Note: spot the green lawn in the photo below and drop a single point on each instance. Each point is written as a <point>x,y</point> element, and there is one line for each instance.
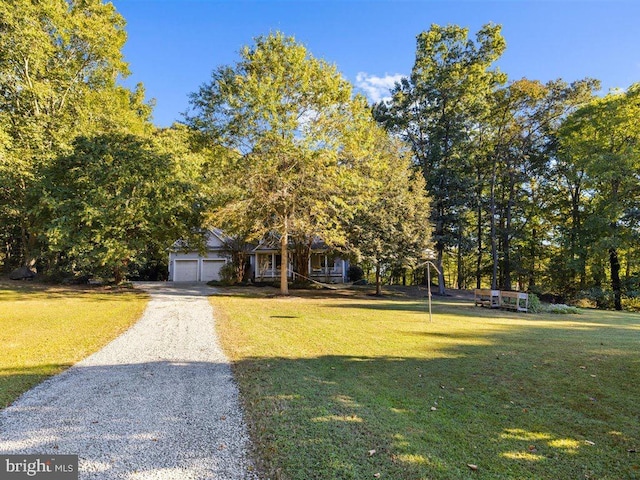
<point>326,380</point>
<point>44,330</point>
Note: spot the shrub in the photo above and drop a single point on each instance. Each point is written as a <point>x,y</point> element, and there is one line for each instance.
<point>602,298</point>
<point>631,304</point>
<point>585,303</point>
<point>536,306</point>
<point>355,273</point>
<point>228,274</point>
<point>560,308</point>
<point>534,303</point>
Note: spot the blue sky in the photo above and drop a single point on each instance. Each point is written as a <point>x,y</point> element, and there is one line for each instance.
<point>174,45</point>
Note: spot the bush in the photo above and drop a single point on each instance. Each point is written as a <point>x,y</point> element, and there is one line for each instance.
<point>561,308</point>
<point>536,306</point>
<point>602,298</point>
<point>355,273</point>
<point>228,274</point>
<point>534,303</point>
<point>631,304</point>
<point>585,303</point>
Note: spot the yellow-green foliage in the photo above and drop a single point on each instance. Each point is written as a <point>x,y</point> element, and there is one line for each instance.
<point>45,330</point>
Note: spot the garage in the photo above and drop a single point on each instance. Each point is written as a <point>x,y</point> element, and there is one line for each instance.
<point>194,265</point>
<point>211,270</point>
<point>185,271</point>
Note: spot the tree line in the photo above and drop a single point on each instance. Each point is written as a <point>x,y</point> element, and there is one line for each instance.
<point>515,184</point>
<point>534,185</point>
<point>276,145</point>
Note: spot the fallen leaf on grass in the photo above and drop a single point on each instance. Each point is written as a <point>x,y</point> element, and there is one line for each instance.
<point>472,466</point>
<point>433,409</point>
<point>533,448</point>
<point>589,442</point>
<point>371,452</point>
<point>377,475</point>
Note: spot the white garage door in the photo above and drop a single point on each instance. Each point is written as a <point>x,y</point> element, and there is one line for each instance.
<point>211,270</point>
<point>185,271</point>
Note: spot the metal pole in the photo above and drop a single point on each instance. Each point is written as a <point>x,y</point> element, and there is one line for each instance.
<point>429,288</point>
<point>429,264</point>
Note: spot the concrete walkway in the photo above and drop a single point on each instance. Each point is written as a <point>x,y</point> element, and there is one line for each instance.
<point>159,402</point>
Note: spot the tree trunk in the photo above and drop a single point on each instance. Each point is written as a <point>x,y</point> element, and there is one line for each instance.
<point>441,290</point>
<point>494,247</point>
<point>616,285</point>
<point>117,275</point>
<point>533,251</point>
<point>577,251</point>
<point>506,242</point>
<point>284,259</point>
<point>460,270</point>
<point>479,258</point>
<point>378,288</point>
<point>301,255</point>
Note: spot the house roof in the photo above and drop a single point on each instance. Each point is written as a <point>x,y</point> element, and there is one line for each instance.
<point>215,232</point>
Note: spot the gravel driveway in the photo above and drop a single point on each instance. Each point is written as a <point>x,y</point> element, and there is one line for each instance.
<point>159,402</point>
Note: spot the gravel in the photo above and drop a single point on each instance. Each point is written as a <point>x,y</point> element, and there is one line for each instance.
<point>159,402</point>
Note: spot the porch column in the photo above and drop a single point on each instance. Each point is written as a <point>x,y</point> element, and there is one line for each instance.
<point>273,265</point>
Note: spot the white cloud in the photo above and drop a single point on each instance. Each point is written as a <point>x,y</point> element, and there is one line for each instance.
<point>377,88</point>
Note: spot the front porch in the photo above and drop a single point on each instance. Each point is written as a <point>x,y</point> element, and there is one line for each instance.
<point>322,267</point>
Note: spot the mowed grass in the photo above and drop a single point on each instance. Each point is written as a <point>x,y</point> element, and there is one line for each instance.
<point>44,329</point>
<point>345,387</point>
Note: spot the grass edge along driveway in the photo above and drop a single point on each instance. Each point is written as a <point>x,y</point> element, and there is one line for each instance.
<point>352,387</point>
<point>46,329</point>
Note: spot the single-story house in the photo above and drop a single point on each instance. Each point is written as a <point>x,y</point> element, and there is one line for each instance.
<point>189,265</point>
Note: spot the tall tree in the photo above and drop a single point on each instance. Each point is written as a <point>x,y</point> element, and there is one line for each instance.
<point>390,227</point>
<point>115,200</point>
<point>526,114</point>
<point>603,140</point>
<point>281,116</point>
<point>59,63</point>
<point>437,110</point>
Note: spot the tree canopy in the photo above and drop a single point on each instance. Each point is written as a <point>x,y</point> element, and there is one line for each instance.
<point>59,65</point>
<point>285,122</point>
<point>520,184</point>
<point>438,109</point>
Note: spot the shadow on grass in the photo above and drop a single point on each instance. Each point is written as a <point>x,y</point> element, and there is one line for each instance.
<point>21,291</point>
<point>517,406</point>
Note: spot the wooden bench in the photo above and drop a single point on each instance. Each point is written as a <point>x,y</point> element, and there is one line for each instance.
<point>518,301</point>
<point>486,297</point>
